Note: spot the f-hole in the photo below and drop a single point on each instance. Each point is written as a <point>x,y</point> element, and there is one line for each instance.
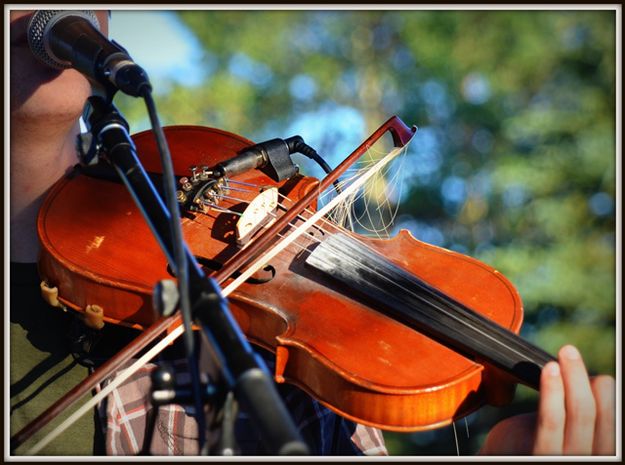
<point>260,277</point>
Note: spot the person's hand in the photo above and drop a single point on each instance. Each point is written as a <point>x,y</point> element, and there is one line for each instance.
<point>575,415</point>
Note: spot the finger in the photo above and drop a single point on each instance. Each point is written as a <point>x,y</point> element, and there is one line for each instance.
<point>551,416</point>
<point>579,401</point>
<point>512,436</point>
<point>604,390</point>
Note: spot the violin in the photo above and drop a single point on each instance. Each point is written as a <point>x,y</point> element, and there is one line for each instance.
<point>393,333</point>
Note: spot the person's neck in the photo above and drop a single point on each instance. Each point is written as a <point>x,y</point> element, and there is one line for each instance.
<point>40,155</point>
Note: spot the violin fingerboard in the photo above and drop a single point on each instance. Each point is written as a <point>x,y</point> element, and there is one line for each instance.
<point>401,295</point>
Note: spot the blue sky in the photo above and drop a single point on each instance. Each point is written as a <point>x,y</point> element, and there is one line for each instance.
<point>160,43</point>
<point>167,50</point>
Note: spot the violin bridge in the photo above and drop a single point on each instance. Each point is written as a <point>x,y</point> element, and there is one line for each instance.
<point>259,213</point>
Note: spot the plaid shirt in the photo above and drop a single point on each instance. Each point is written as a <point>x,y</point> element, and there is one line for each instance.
<point>124,413</point>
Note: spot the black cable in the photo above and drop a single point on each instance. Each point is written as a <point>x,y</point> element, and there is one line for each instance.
<point>150,426</point>
<point>297,144</point>
<point>180,261</point>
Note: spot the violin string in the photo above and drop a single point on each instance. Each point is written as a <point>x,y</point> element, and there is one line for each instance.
<point>239,189</point>
<point>243,183</point>
<point>305,233</point>
<point>453,424</point>
<point>229,197</point>
<point>214,206</point>
<point>302,218</point>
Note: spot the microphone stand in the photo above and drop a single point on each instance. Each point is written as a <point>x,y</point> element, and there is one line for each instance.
<point>242,371</point>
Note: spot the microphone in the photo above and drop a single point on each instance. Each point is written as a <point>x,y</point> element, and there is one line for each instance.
<point>272,157</point>
<point>72,39</point>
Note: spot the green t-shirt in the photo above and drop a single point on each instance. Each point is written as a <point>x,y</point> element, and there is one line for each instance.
<point>42,369</point>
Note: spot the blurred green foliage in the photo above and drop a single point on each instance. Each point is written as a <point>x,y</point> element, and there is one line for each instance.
<point>514,162</point>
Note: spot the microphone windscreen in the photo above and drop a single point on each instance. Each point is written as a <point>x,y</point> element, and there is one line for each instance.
<point>39,26</point>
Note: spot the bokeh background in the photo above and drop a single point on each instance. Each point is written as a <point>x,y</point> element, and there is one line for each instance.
<point>514,162</point>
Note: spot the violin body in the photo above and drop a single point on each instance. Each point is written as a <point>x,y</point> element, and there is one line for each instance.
<point>98,250</point>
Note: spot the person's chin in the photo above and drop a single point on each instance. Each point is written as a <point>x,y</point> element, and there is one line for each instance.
<point>54,93</point>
